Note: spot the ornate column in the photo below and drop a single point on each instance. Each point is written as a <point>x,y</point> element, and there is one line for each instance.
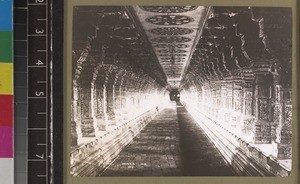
<point>94,107</point>
<point>76,133</point>
<point>86,113</point>
<point>285,144</point>
<point>263,82</point>
<point>248,128</point>
<point>101,115</point>
<point>110,92</point>
<point>237,115</point>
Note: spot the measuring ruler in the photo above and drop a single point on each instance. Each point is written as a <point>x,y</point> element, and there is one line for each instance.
<point>35,146</point>
<point>38,92</point>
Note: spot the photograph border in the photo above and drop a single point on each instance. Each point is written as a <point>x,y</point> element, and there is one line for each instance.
<point>60,111</point>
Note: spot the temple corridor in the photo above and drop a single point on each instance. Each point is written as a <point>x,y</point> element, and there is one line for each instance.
<point>170,145</point>
<point>181,91</point>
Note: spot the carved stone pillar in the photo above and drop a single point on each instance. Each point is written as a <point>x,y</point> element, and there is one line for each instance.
<point>276,109</point>
<point>117,102</point>
<point>94,110</point>
<point>101,114</point>
<point>263,83</point>
<point>76,133</point>
<point>229,101</point>
<point>285,145</point>
<point>111,103</point>
<point>86,113</point>
<point>237,115</point>
<point>221,98</point>
<point>249,120</point>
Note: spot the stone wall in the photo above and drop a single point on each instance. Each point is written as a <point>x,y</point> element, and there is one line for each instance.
<point>92,158</point>
<point>244,157</point>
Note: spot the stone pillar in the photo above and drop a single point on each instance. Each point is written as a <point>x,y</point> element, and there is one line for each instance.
<point>94,110</point>
<point>285,145</point>
<point>276,109</point>
<point>101,114</point>
<point>222,100</point>
<point>237,116</point>
<point>110,97</point>
<point>117,102</point>
<point>76,133</point>
<point>248,128</point>
<point>262,105</point>
<point>86,118</point>
<point>229,101</point>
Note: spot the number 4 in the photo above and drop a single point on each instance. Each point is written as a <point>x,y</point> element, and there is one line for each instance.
<point>39,63</point>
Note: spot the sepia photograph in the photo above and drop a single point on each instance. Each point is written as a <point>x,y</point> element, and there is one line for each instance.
<point>181,91</point>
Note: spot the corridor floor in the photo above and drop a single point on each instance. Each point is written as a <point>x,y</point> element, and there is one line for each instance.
<point>170,145</point>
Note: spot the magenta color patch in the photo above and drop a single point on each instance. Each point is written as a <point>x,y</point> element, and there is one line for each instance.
<point>6,142</point>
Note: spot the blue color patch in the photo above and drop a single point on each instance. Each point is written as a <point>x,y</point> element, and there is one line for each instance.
<point>6,7</point>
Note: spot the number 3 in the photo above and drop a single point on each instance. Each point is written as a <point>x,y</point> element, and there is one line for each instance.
<point>39,31</point>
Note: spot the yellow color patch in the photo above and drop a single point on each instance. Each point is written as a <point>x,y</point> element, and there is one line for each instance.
<point>6,78</point>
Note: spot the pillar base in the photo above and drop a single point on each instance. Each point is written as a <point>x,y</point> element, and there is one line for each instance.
<point>284,151</point>
<point>262,132</point>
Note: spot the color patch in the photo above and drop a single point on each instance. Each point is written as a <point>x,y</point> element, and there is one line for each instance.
<point>6,110</point>
<point>6,15</point>
<point>6,145</point>
<point>6,78</point>
<point>6,49</point>
<point>7,170</point>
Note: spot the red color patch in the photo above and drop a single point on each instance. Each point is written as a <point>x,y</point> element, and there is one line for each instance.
<point>6,142</point>
<point>6,110</point>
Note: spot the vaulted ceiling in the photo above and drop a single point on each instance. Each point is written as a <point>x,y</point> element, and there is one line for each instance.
<point>176,44</point>
<point>173,32</point>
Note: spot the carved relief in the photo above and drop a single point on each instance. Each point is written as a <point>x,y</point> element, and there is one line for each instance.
<point>263,108</point>
<point>248,107</point>
<point>171,31</point>
<point>169,46</point>
<point>171,39</point>
<point>277,113</point>
<point>85,109</point>
<point>171,51</point>
<point>288,116</point>
<point>169,20</point>
<point>262,91</point>
<point>168,9</point>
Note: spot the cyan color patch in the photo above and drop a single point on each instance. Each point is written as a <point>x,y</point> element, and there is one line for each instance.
<point>6,7</point>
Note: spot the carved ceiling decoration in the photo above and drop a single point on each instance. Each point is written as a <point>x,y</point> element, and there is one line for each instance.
<point>167,20</point>
<point>176,44</point>
<point>169,58</point>
<point>170,55</point>
<point>112,38</point>
<point>171,39</point>
<point>170,46</point>
<point>168,9</point>
<point>170,31</point>
<point>171,51</point>
<point>235,40</point>
<point>173,32</point>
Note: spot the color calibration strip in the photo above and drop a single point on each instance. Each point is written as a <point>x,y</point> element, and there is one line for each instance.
<point>6,92</point>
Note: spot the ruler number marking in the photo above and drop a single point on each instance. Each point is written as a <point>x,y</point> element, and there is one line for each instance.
<point>39,62</point>
<point>39,93</point>
<point>40,156</point>
<point>39,31</point>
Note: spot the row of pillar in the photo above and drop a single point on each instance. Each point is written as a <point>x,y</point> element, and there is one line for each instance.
<point>109,101</point>
<point>255,107</point>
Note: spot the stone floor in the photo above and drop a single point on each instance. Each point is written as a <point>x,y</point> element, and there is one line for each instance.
<point>171,145</point>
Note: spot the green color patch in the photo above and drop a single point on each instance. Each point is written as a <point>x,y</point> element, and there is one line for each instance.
<point>6,49</point>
